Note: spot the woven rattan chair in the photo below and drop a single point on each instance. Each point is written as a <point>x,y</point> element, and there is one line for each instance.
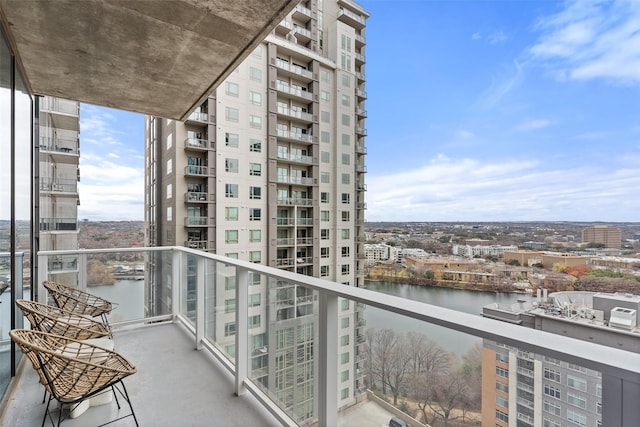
<point>79,302</point>
<point>73,371</point>
<point>54,320</point>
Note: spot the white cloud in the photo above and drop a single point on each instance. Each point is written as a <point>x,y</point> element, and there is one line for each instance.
<point>497,37</point>
<point>470,190</point>
<point>509,78</point>
<point>533,125</point>
<point>476,36</point>
<point>591,40</point>
<point>113,156</point>
<point>463,134</point>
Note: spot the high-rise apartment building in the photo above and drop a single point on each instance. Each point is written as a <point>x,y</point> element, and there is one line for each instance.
<point>59,173</point>
<point>270,169</point>
<point>526,389</point>
<point>610,237</point>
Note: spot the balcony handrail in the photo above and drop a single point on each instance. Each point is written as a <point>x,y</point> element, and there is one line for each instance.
<point>621,365</point>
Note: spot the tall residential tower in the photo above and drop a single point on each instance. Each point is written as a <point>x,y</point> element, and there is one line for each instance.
<point>270,169</point>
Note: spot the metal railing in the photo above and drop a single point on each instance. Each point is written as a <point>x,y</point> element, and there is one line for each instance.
<point>179,280</point>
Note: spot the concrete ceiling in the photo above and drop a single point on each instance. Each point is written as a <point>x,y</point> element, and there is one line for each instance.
<point>160,57</point>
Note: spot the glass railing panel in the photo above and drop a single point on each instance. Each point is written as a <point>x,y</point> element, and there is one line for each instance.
<point>282,328</point>
<point>220,307</point>
<point>188,287</point>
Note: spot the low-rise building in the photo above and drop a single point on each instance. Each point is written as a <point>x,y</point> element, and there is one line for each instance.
<point>469,251</point>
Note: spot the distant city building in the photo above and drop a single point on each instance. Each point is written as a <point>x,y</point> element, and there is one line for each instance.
<point>411,252</point>
<point>478,242</point>
<point>550,259</point>
<point>535,245</point>
<point>374,253</point>
<point>525,389</point>
<point>610,237</point>
<point>526,258</point>
<point>59,144</point>
<point>469,251</point>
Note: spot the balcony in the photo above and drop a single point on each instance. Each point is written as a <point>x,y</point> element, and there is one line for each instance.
<point>294,136</point>
<point>196,144</point>
<point>198,118</point>
<point>361,168</point>
<point>292,70</point>
<point>300,180</point>
<point>59,105</point>
<point>361,131</point>
<point>58,224</point>
<point>195,221</point>
<point>296,114</point>
<point>303,35</point>
<point>361,187</point>
<point>361,93</point>
<point>196,197</point>
<point>351,18</point>
<point>294,201</point>
<point>193,170</point>
<point>360,41</point>
<point>296,158</point>
<point>60,186</point>
<point>302,14</point>
<point>196,244</point>
<point>63,150</point>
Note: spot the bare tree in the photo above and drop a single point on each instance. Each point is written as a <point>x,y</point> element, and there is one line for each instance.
<point>382,346</point>
<point>398,367</point>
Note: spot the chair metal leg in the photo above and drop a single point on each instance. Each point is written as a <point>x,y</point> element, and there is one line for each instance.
<point>113,390</point>
<point>129,401</point>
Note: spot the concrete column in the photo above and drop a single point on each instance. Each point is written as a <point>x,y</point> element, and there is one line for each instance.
<point>242,330</point>
<point>327,351</point>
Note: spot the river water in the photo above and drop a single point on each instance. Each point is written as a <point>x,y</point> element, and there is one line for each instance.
<point>455,299</point>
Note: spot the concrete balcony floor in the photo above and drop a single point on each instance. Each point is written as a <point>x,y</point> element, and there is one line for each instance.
<point>175,386</point>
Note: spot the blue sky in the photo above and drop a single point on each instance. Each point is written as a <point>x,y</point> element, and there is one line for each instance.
<point>477,111</point>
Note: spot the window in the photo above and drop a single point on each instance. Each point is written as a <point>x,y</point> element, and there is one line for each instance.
<point>501,357</point>
<point>324,234</point>
<point>325,136</point>
<point>255,122</point>
<point>346,139</point>
<point>169,141</point>
<point>231,89</point>
<point>344,322</point>
<point>552,374</point>
<point>255,145</point>
<point>169,191</point>
<point>324,252</point>
<point>232,255</point>
<point>229,283</point>
<point>344,340</point>
<point>231,139</point>
<point>169,213</point>
<point>325,76</point>
<point>345,198</point>
<point>255,98</point>
<point>255,256</point>
<point>324,215</point>
<point>345,62</point>
<point>325,157</point>
<point>255,214</point>
<point>324,177</point>
<point>231,236</point>
<point>231,190</point>
<point>346,178</point>
<point>230,305</point>
<point>345,216</point>
<point>345,304</point>
<point>257,53</point>
<point>552,360</point>
<point>502,372</point>
<point>255,169</point>
<point>502,416</point>
<point>344,358</point>
<point>345,251</point>
<point>578,401</point>
<point>346,80</point>
<point>576,418</point>
<point>345,233</point>
<point>346,120</point>
<point>344,393</point>
<point>345,42</point>
<point>501,401</point>
<point>324,270</point>
<point>231,165</point>
<point>255,74</point>
<point>324,197</point>
<point>346,100</point>
<point>229,329</point>
<point>549,423</point>
<point>255,236</point>
<point>255,193</point>
<point>254,321</point>
<point>346,159</point>
<point>345,269</point>
<point>254,279</point>
<point>231,213</point>
<point>551,407</point>
<point>551,391</point>
<point>324,95</point>
<point>325,116</point>
<point>254,300</point>
<point>576,383</point>
<point>169,166</point>
<point>232,114</point>
<point>344,376</point>
<point>502,386</point>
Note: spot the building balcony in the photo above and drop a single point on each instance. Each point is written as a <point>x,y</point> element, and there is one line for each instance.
<point>193,170</point>
<point>294,136</point>
<point>294,92</point>
<point>63,186</point>
<point>361,149</point>
<point>60,145</point>
<point>58,224</point>
<point>302,14</point>
<point>196,197</point>
<point>197,244</point>
<point>361,93</point>
<point>351,18</point>
<point>196,221</point>
<point>360,41</point>
<point>295,114</point>
<point>361,187</point>
<point>293,241</point>
<point>294,201</point>
<point>198,118</point>
<point>296,158</point>
<point>196,144</point>
<point>292,70</point>
<point>360,59</point>
<point>63,264</point>
<point>300,180</point>
<point>303,35</point>
<point>361,131</point>
<point>361,112</point>
<point>59,105</point>
<point>361,168</point>
<point>158,324</point>
<point>361,205</point>
<point>306,222</point>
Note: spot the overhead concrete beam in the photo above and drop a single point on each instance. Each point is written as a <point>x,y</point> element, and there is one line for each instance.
<point>159,57</point>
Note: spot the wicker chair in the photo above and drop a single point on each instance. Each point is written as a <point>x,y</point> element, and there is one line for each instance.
<point>73,371</point>
<point>73,300</point>
<point>54,320</point>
